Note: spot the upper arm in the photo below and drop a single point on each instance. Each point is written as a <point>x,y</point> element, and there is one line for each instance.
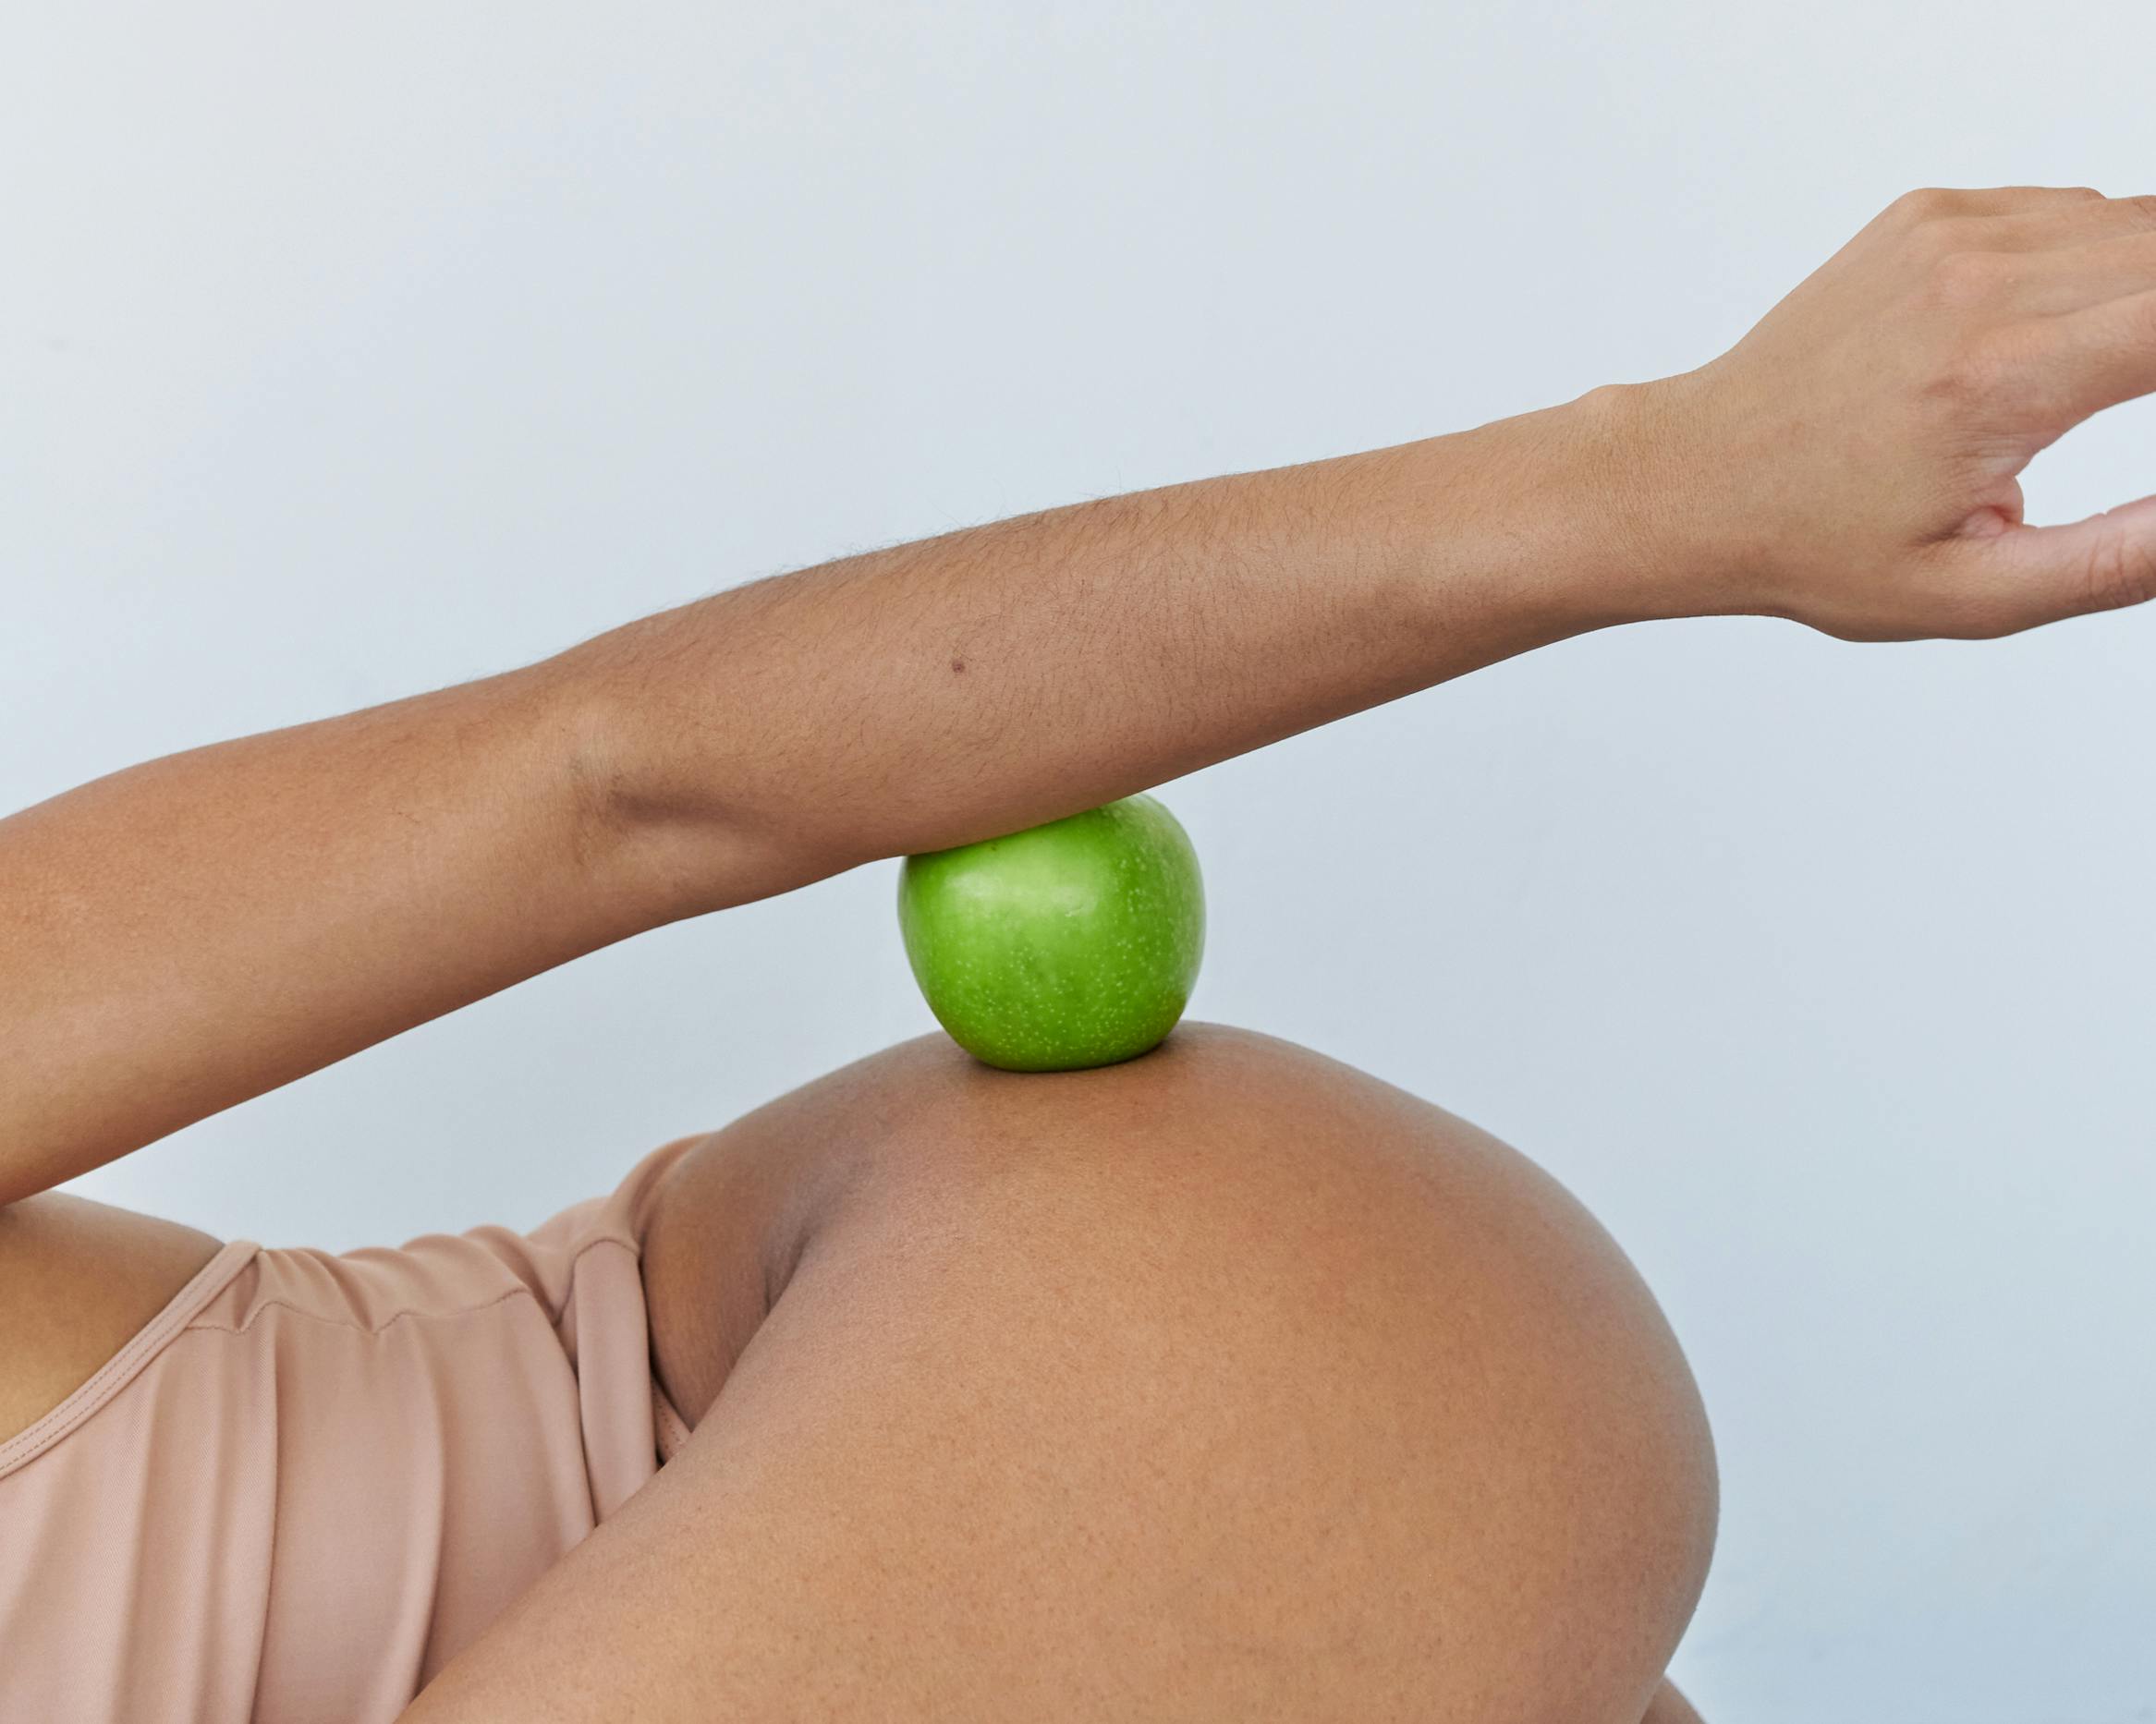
<point>186,933</point>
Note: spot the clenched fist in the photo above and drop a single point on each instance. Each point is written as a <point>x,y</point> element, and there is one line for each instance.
<point>1852,463</point>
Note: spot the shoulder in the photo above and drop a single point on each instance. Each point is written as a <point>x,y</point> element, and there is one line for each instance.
<point>78,1280</point>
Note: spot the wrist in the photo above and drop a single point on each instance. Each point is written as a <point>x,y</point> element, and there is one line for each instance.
<point>1642,458</point>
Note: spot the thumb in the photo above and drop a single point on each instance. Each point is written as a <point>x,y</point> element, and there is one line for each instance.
<point>2025,576</point>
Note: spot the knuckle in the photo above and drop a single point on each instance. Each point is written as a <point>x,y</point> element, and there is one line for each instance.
<point>1962,280</point>
<point>1973,374</point>
<point>1926,203</point>
<point>1982,617</point>
<point>2128,340</point>
<point>2120,571</point>
<point>2137,327</point>
<point>1961,602</point>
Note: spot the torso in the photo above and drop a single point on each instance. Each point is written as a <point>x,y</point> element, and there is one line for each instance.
<point>77,1281</point>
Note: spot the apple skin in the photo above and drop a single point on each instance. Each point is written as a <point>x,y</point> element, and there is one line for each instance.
<point>1067,945</point>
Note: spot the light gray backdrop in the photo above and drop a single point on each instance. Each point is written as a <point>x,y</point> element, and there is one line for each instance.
<point>349,354</point>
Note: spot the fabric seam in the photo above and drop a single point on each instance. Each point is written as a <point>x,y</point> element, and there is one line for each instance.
<point>520,1289</point>
<point>178,1318</point>
<point>128,1363</point>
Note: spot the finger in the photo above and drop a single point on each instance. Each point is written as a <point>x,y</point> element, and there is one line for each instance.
<point>2083,361</point>
<point>2003,201</point>
<point>2026,576</point>
<point>1975,208</point>
<point>2035,198</point>
<point>2060,220</point>
<point>2050,284</point>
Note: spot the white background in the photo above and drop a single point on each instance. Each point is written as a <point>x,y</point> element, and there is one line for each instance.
<point>347,353</point>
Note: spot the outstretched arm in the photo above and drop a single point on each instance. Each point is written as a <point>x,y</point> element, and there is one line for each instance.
<point>187,934</point>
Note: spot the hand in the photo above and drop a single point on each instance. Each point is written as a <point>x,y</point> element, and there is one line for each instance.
<point>1852,461</point>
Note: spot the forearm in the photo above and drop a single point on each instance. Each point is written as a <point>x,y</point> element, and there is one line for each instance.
<point>977,683</point>
<point>1851,463</point>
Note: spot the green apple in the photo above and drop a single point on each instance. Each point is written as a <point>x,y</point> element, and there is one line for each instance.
<point>1070,944</point>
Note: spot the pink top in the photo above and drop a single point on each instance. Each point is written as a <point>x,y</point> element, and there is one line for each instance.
<point>313,1480</point>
